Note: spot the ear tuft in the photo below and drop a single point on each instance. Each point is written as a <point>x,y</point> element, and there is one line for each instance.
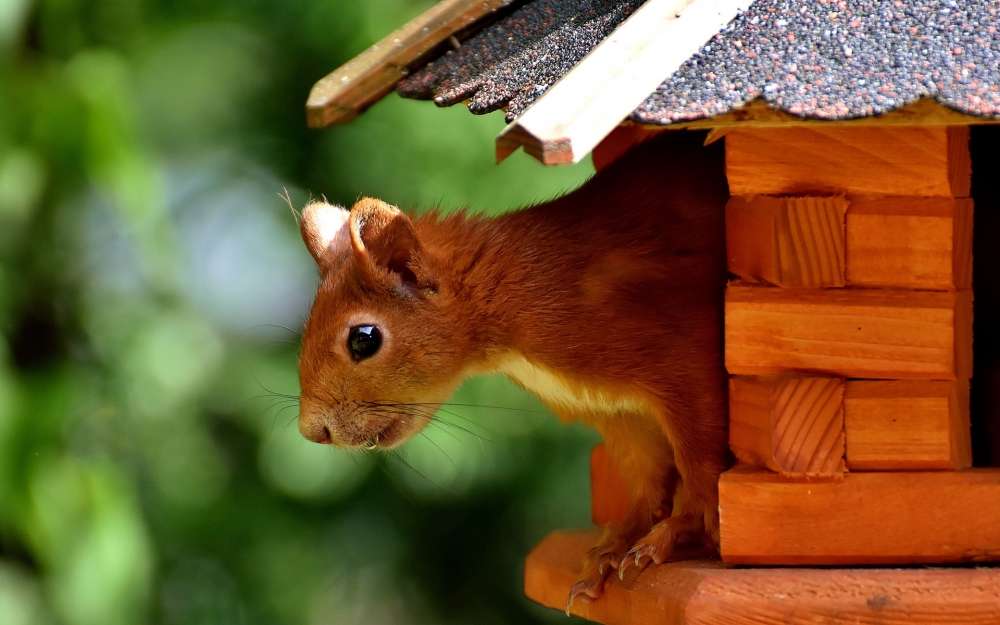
<point>325,229</point>
<point>383,237</point>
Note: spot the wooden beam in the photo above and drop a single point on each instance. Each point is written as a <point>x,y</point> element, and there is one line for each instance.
<point>851,333</point>
<point>872,241</point>
<point>787,241</point>
<point>367,78</point>
<point>608,497</point>
<point>908,242</point>
<point>706,592</point>
<point>572,117</point>
<point>814,160</point>
<point>907,424</point>
<point>789,424</point>
<point>866,518</point>
<point>798,425</point>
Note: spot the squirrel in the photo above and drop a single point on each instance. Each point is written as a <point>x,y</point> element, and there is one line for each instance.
<point>607,303</point>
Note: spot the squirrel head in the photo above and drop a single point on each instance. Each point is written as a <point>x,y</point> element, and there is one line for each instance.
<point>380,350</point>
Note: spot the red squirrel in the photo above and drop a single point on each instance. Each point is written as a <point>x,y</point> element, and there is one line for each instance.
<point>607,303</point>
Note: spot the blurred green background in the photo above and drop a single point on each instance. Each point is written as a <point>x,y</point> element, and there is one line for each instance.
<point>146,473</point>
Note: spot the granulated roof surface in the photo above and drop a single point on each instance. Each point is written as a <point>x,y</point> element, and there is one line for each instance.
<point>816,58</point>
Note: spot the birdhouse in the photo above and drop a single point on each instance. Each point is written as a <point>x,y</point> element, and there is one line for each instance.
<point>849,316</point>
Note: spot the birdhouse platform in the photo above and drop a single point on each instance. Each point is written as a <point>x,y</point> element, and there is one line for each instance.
<point>695,590</point>
<point>902,525</point>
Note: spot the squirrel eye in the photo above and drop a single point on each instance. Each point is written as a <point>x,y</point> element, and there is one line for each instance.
<point>364,341</point>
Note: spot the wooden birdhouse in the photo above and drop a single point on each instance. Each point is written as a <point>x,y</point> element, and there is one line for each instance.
<point>849,318</point>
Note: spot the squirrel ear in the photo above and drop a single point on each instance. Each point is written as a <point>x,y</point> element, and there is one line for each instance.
<point>383,238</point>
<point>324,228</point>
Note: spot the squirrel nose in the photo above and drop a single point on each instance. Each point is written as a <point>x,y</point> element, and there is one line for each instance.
<point>313,423</point>
<point>316,430</point>
<point>324,438</point>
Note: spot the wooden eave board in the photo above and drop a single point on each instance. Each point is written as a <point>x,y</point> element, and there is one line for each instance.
<point>343,94</point>
<point>579,110</point>
<point>707,592</point>
<point>758,113</point>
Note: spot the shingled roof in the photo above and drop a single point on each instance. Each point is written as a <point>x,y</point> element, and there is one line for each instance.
<point>812,58</point>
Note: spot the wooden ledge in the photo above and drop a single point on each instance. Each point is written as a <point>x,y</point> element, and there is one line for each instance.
<point>707,592</point>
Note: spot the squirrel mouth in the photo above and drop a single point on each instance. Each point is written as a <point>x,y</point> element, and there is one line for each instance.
<point>387,437</point>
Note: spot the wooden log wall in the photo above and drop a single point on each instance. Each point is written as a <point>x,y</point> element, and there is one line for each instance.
<point>849,341</point>
<point>849,337</point>
<point>849,333</point>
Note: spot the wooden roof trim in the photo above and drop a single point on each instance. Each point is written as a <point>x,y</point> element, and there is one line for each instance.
<point>759,114</point>
<point>572,117</point>
<point>367,78</point>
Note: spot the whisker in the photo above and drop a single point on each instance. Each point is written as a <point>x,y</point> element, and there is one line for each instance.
<point>275,405</point>
<point>256,379</point>
<point>270,325</point>
<point>392,478</point>
<point>270,396</point>
<point>455,426</point>
<point>277,414</point>
<point>427,411</point>
<point>401,413</point>
<point>270,407</point>
<point>455,405</point>
<point>511,408</point>
<point>470,422</point>
<point>394,454</point>
<point>431,441</point>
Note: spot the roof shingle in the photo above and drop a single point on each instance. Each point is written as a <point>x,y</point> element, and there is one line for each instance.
<point>826,59</point>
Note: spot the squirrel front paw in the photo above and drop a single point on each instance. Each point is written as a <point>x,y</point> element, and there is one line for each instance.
<point>601,560</point>
<point>658,545</point>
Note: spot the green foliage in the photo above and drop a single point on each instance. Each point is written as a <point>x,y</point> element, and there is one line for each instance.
<point>149,472</point>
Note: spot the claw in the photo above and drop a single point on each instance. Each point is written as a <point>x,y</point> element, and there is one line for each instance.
<point>578,588</point>
<point>634,555</point>
<point>608,560</point>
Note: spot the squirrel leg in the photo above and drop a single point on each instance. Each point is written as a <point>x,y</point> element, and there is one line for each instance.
<point>643,457</point>
<point>700,451</point>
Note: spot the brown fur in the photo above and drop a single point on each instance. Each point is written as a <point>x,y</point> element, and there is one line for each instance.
<point>613,291</point>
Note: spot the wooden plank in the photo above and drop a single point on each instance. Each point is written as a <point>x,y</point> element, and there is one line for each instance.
<point>367,78</point>
<point>706,592</point>
<point>572,117</point>
<point>759,114</point>
<point>787,241</point>
<point>866,518</point>
<point>789,424</point>
<point>851,333</point>
<point>916,161</point>
<point>608,497</point>
<point>894,241</point>
<point>907,424</point>
<point>908,242</point>
<point>797,425</point>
